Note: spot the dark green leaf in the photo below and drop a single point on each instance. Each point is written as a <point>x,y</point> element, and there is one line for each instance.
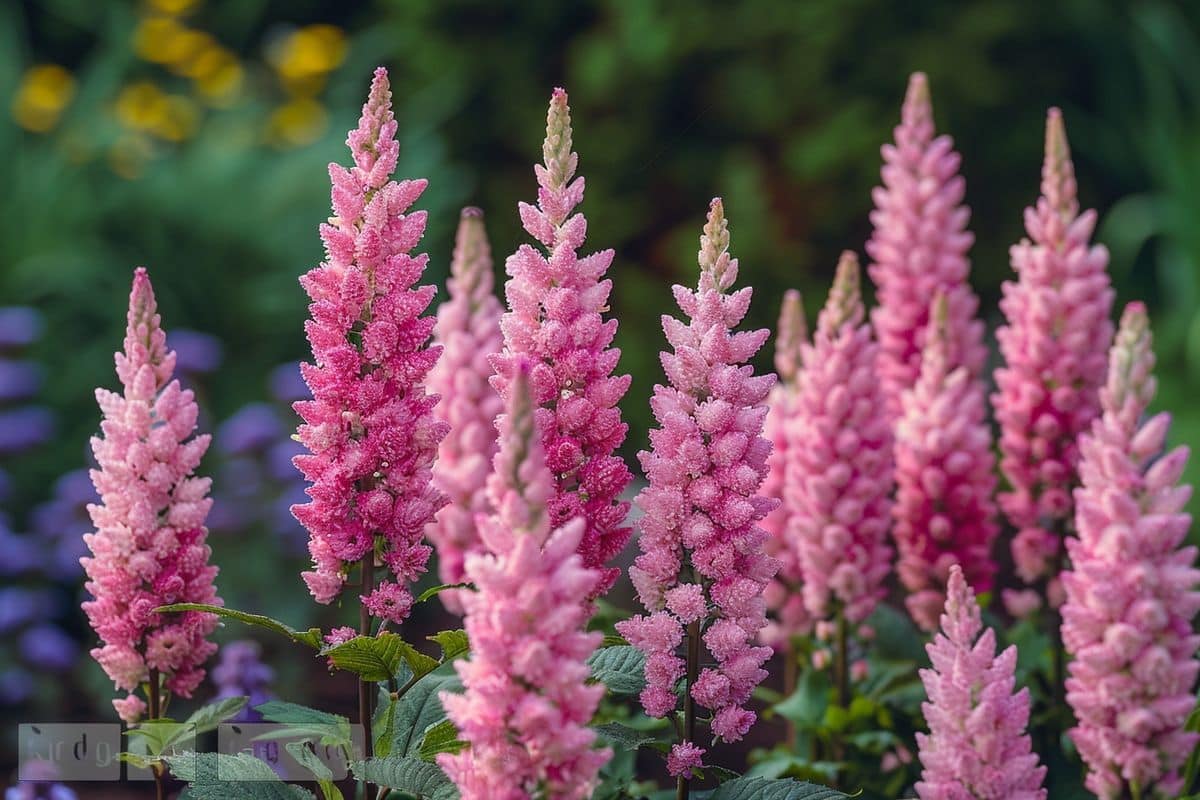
<point>418,710</point>
<point>621,668</point>
<point>806,706</point>
<point>310,637</point>
<point>433,591</point>
<point>441,737</point>
<point>220,768</point>
<point>207,718</point>
<point>330,729</point>
<point>623,737</point>
<point>421,779</point>
<point>453,643</point>
<point>772,789</point>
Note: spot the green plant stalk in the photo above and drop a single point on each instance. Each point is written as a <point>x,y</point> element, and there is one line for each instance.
<point>683,785</point>
<point>841,676</point>
<point>790,669</point>
<point>364,688</point>
<point>160,789</point>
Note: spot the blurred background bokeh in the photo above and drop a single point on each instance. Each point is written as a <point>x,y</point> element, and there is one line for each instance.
<point>192,136</point>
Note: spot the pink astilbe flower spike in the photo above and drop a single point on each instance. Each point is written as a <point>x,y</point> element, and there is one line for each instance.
<point>783,595</point>
<point>149,546</point>
<point>944,513</point>
<point>919,246</point>
<point>370,428</point>
<point>1054,345</point>
<point>1131,592</point>
<point>839,472</point>
<point>528,701</point>
<point>468,329</point>
<point>703,562</point>
<point>977,745</point>
<point>556,302</point>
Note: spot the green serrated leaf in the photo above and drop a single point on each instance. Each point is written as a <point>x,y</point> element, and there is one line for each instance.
<point>383,725</point>
<point>304,755</point>
<point>623,737</point>
<point>372,658</point>
<point>441,737</point>
<point>773,789</point>
<point>311,637</point>
<point>621,668</point>
<point>159,735</point>
<point>453,643</point>
<point>207,718</point>
<point>418,710</point>
<point>421,779</point>
<point>434,591</point>
<point>326,728</point>
<point>220,768</point>
<point>613,640</point>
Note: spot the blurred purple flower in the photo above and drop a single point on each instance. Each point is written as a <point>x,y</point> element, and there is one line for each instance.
<point>25,427</point>
<point>19,380</point>
<point>21,553</point>
<point>279,460</point>
<point>287,386</point>
<point>16,686</point>
<point>60,523</point>
<point>196,352</point>
<point>251,428</point>
<point>19,605</point>
<point>48,647</point>
<point>19,326</point>
<point>40,784</point>
<point>241,673</point>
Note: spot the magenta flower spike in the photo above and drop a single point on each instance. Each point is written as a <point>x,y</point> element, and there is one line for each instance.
<point>919,247</point>
<point>370,428</point>
<point>977,745</point>
<point>783,595</point>
<point>703,564</point>
<point>1131,591</point>
<point>528,699</point>
<point>468,329</point>
<point>556,301</point>
<point>839,472</point>
<point>1054,344</point>
<point>149,546</point>
<point>944,513</point>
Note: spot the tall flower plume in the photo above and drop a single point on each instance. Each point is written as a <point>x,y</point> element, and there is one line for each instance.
<point>370,428</point>
<point>977,745</point>
<point>1054,344</point>
<point>1131,591</point>
<point>840,460</point>
<point>783,594</point>
<point>556,300</point>
<point>468,329</point>
<point>944,513</point>
<point>527,702</point>
<point>703,563</point>
<point>149,546</point>
<point>919,246</point>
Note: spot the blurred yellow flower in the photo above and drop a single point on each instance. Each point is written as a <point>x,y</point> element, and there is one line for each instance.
<point>298,122</point>
<point>44,92</point>
<point>156,39</point>
<point>173,6</point>
<point>143,106</point>
<point>129,154</point>
<point>304,57</point>
<point>218,76</point>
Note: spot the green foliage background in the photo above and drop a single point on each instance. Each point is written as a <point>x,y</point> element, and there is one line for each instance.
<point>779,107</point>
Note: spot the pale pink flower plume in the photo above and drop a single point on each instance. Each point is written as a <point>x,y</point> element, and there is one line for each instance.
<point>556,302</point>
<point>783,595</point>
<point>528,700</point>
<point>1054,345</point>
<point>977,745</point>
<point>149,547</point>
<point>370,428</point>
<point>944,513</point>
<point>919,247</point>
<point>1131,590</point>
<point>839,472</point>
<point>703,562</point>
<point>468,329</point>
